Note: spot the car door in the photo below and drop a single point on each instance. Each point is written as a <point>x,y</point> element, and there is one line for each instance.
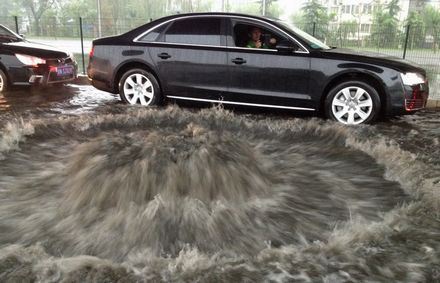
<point>266,76</point>
<point>190,56</point>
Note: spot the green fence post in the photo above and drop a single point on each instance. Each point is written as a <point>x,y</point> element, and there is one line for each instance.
<point>16,25</point>
<point>82,45</point>
<point>406,40</point>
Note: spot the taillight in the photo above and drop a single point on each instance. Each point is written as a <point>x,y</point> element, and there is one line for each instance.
<point>30,60</point>
<point>92,51</point>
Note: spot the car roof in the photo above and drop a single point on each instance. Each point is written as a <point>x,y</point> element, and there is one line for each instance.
<point>222,14</point>
<point>177,16</point>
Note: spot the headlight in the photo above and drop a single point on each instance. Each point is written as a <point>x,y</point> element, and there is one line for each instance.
<point>412,78</point>
<point>30,60</point>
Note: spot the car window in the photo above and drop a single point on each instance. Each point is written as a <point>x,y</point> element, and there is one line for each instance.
<point>249,35</point>
<point>154,34</point>
<point>199,31</point>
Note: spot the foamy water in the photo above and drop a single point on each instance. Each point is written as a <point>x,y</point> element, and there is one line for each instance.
<point>126,194</point>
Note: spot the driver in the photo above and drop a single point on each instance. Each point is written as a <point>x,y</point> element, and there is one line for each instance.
<point>255,39</point>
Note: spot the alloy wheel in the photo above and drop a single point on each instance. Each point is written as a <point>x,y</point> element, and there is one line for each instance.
<point>138,89</point>
<point>352,105</point>
<point>1,83</point>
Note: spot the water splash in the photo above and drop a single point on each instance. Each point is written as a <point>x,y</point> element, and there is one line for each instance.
<point>174,195</point>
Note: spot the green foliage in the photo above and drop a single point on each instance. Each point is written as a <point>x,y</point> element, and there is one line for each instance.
<point>315,19</point>
<point>296,18</point>
<point>268,7</point>
<point>417,32</point>
<point>385,32</point>
<point>248,8</point>
<point>431,18</point>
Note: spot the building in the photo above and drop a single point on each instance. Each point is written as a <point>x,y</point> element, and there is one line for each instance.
<point>361,12</point>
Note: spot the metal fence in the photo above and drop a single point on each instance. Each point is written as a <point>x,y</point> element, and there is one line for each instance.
<point>420,44</point>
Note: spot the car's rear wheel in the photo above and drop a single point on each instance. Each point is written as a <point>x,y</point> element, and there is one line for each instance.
<point>137,86</point>
<point>353,103</point>
<point>3,81</point>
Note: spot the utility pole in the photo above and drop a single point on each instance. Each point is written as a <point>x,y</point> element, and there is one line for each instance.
<point>99,17</point>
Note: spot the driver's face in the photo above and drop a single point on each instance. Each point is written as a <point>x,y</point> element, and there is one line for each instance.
<point>256,34</point>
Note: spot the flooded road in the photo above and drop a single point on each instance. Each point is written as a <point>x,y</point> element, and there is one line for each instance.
<point>92,190</point>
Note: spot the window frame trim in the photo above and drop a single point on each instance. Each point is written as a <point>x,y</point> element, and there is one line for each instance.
<point>234,21</point>
<point>170,25</point>
<point>222,17</point>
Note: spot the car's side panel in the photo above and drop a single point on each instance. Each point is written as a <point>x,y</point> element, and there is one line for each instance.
<point>266,76</point>
<point>191,71</point>
<point>270,78</point>
<point>104,64</point>
<point>17,73</point>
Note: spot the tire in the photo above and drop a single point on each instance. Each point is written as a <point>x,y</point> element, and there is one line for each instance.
<point>353,103</point>
<point>3,82</point>
<point>137,86</point>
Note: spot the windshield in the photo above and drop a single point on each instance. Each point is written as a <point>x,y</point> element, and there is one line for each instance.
<point>313,42</point>
<point>6,35</point>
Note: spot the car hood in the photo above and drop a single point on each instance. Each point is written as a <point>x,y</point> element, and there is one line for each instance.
<point>384,60</point>
<point>36,49</point>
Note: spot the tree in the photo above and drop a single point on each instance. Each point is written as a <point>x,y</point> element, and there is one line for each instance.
<point>36,10</point>
<point>315,18</point>
<point>417,31</point>
<point>190,6</point>
<point>431,18</point>
<point>384,30</point>
<point>347,31</point>
<point>269,8</point>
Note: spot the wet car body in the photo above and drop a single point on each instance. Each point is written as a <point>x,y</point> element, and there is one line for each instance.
<point>297,74</point>
<point>28,63</point>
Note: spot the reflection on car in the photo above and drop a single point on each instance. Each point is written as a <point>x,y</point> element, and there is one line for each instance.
<point>205,57</point>
<point>28,63</point>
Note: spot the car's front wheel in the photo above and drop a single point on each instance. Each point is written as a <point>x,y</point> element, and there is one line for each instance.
<point>353,103</point>
<point>3,81</point>
<point>137,86</point>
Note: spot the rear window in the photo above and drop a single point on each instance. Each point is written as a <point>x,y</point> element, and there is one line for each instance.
<point>198,31</point>
<point>154,34</point>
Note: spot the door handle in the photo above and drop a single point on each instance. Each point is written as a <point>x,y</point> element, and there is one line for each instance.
<point>164,56</point>
<point>239,61</point>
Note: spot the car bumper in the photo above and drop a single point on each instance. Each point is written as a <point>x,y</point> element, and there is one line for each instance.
<point>45,74</point>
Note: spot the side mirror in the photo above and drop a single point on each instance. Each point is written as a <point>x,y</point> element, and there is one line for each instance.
<point>286,47</point>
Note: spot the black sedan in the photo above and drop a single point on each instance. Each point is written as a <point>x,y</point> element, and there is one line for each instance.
<point>27,63</point>
<point>253,61</point>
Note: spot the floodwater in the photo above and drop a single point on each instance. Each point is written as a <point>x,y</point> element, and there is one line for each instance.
<point>92,190</point>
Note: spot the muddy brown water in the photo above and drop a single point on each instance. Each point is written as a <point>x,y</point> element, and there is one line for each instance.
<point>92,190</point>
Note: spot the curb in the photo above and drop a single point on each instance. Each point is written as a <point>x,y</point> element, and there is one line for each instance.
<point>82,80</point>
<point>433,104</point>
